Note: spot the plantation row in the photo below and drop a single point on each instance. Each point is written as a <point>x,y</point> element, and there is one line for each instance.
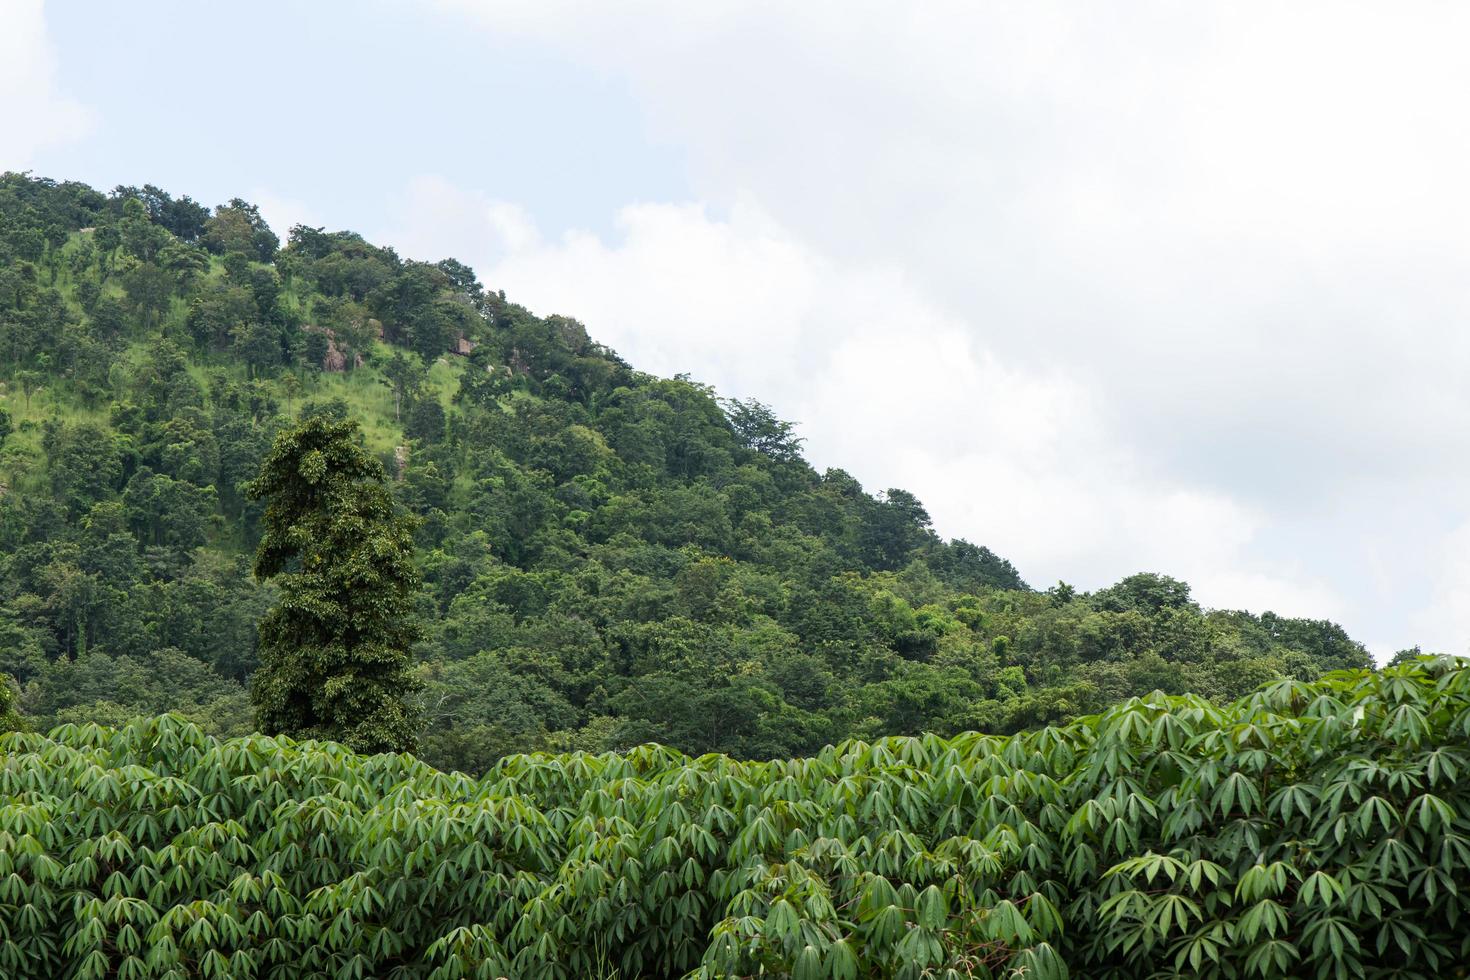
<point>1312,830</point>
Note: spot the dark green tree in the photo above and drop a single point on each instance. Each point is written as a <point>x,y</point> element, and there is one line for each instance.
<point>140,237</point>
<point>1147,592</point>
<point>167,512</point>
<point>107,238</point>
<point>258,345</point>
<point>30,382</point>
<point>9,717</point>
<point>84,463</point>
<point>183,217</point>
<point>149,290</point>
<point>404,378</point>
<point>425,420</point>
<point>334,652</point>
<point>758,428</point>
<point>184,262</point>
<point>238,227</point>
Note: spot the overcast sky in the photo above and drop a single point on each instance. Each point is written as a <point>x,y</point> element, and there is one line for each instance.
<point>1111,288</point>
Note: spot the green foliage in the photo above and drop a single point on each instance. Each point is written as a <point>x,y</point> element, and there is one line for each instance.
<point>238,227</point>
<point>335,660</point>
<point>758,427</point>
<point>9,717</point>
<point>1309,831</point>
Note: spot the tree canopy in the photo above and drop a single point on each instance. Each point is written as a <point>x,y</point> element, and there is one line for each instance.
<point>335,651</point>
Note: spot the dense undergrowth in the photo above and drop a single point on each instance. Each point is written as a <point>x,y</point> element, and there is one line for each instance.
<point>1310,830</point>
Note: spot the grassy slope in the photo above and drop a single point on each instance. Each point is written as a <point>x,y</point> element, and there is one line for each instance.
<point>364,390</point>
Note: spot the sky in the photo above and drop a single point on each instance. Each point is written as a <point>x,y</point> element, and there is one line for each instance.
<point>1112,288</point>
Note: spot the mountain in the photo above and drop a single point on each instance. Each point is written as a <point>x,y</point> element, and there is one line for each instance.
<point>608,557</point>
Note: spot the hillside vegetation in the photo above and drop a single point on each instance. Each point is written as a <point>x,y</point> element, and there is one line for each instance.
<point>1311,830</point>
<point>608,558</point>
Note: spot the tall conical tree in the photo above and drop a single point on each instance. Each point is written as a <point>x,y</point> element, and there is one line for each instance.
<point>335,652</point>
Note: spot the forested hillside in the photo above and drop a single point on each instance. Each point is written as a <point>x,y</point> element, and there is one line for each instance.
<point>608,557</point>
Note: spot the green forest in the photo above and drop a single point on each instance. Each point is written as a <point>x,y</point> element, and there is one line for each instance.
<point>357,622</point>
<point>604,558</point>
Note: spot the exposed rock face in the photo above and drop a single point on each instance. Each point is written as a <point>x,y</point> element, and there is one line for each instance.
<point>334,360</point>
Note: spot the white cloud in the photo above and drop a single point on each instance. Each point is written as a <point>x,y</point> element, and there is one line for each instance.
<point>1447,613</point>
<point>283,213</point>
<point>435,219</point>
<point>1207,205</point>
<point>723,298</point>
<point>1212,257</point>
<point>34,114</point>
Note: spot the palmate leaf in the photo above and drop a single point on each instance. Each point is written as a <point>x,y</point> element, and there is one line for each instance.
<point>1202,948</point>
<point>1272,958</point>
<point>1331,937</point>
<point>1263,880</point>
<point>1264,918</point>
<point>1173,913</point>
<point>1320,888</point>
